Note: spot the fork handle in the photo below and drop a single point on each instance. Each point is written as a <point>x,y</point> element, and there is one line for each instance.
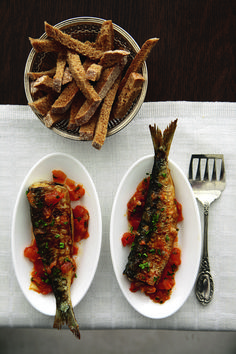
<point>205,239</point>
<point>204,285</point>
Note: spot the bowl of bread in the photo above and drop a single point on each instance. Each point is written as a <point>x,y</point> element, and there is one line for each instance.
<point>86,78</point>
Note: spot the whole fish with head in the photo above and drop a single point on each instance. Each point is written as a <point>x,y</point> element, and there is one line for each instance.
<point>157,230</point>
<point>52,221</point>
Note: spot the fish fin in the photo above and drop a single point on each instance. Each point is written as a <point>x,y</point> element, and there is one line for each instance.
<point>156,135</point>
<point>163,141</point>
<point>67,317</point>
<point>168,135</point>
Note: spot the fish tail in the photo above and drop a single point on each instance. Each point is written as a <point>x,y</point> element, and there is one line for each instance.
<point>66,316</point>
<point>163,141</point>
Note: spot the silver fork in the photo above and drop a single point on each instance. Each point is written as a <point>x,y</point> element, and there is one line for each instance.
<point>207,187</point>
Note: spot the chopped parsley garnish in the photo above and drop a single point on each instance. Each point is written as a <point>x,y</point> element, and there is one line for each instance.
<point>62,245</point>
<point>144,265</point>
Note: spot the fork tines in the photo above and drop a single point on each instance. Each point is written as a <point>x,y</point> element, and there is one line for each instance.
<point>205,167</point>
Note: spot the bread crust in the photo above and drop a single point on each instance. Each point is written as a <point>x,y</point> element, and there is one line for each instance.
<point>103,119</point>
<point>78,73</point>
<point>128,94</point>
<point>63,102</point>
<point>71,43</point>
<point>138,60</point>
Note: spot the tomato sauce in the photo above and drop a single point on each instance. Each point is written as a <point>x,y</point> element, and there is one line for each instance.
<point>162,291</point>
<point>39,275</point>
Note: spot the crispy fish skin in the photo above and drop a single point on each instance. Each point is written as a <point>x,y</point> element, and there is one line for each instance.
<point>52,222</point>
<point>158,227</point>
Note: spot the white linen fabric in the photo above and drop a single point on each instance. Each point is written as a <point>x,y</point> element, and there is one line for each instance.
<point>203,127</point>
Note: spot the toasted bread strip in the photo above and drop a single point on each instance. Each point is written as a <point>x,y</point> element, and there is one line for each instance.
<point>62,104</point>
<point>102,124</point>
<point>35,75</point>
<point>112,57</point>
<point>43,105</point>
<point>45,45</point>
<point>44,83</point>
<point>86,131</point>
<point>74,44</point>
<point>93,73</point>
<point>128,94</point>
<point>78,73</point>
<point>107,79</point>
<point>105,37</point>
<point>67,77</point>
<point>35,92</point>
<point>52,118</point>
<point>75,106</point>
<point>60,68</point>
<point>138,60</point>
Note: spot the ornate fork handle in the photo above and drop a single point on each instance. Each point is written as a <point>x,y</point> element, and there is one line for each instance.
<point>205,286</point>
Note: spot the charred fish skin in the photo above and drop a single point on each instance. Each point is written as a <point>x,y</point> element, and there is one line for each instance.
<point>158,227</point>
<point>52,222</point>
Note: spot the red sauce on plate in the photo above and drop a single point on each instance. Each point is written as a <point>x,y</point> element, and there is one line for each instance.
<point>39,275</point>
<point>162,291</point>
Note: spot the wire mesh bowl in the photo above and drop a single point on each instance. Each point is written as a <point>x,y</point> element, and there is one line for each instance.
<point>85,28</point>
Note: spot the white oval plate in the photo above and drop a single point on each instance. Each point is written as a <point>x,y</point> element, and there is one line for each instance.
<point>21,236</point>
<point>189,240</point>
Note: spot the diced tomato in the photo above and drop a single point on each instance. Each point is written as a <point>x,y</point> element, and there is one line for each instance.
<point>59,176</point>
<point>66,267</point>
<point>175,257</point>
<point>77,192</point>
<point>81,219</point>
<point>52,198</point>
<point>31,252</point>
<point>75,250</point>
<point>179,211</point>
<point>127,238</point>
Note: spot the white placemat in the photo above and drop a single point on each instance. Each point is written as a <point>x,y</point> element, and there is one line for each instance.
<point>202,128</point>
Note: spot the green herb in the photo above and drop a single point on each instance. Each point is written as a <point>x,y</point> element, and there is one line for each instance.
<point>46,245</point>
<point>62,245</point>
<point>67,259</point>
<point>167,238</point>
<point>159,252</point>
<point>159,185</point>
<point>77,188</point>
<point>52,222</point>
<point>144,265</point>
<point>145,254</point>
<point>66,222</point>
<point>162,209</point>
<point>26,192</point>
<point>57,236</point>
<point>152,250</point>
<point>39,204</point>
<point>79,218</point>
<point>163,175</point>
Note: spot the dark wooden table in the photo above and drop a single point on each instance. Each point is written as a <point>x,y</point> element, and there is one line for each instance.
<point>195,59</point>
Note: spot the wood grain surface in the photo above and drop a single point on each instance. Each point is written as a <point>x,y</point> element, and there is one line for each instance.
<point>195,59</point>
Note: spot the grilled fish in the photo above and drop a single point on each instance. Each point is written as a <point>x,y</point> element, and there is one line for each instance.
<point>157,230</point>
<point>52,221</point>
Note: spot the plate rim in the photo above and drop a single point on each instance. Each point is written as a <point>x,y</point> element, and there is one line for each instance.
<point>13,225</point>
<point>115,266</point>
